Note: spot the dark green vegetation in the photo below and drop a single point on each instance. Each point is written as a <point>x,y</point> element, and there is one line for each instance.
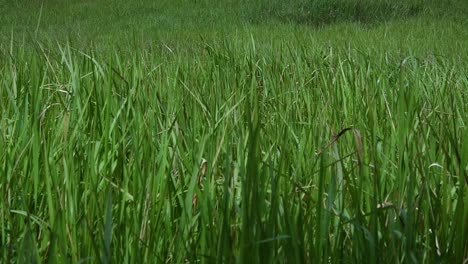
<point>233,131</point>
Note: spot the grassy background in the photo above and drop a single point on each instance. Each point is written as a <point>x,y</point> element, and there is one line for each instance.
<point>233,131</point>
<point>420,26</point>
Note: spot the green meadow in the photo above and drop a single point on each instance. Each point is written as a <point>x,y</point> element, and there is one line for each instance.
<point>234,131</point>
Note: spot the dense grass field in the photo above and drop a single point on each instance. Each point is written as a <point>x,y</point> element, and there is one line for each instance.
<point>233,131</point>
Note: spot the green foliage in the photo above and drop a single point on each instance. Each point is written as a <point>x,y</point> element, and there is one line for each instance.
<point>364,12</point>
<point>325,12</point>
<point>103,157</point>
<point>129,136</point>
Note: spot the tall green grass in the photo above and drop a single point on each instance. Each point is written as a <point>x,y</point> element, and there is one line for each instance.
<point>238,154</point>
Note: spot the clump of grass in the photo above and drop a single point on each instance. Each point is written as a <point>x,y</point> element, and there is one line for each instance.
<point>320,13</point>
